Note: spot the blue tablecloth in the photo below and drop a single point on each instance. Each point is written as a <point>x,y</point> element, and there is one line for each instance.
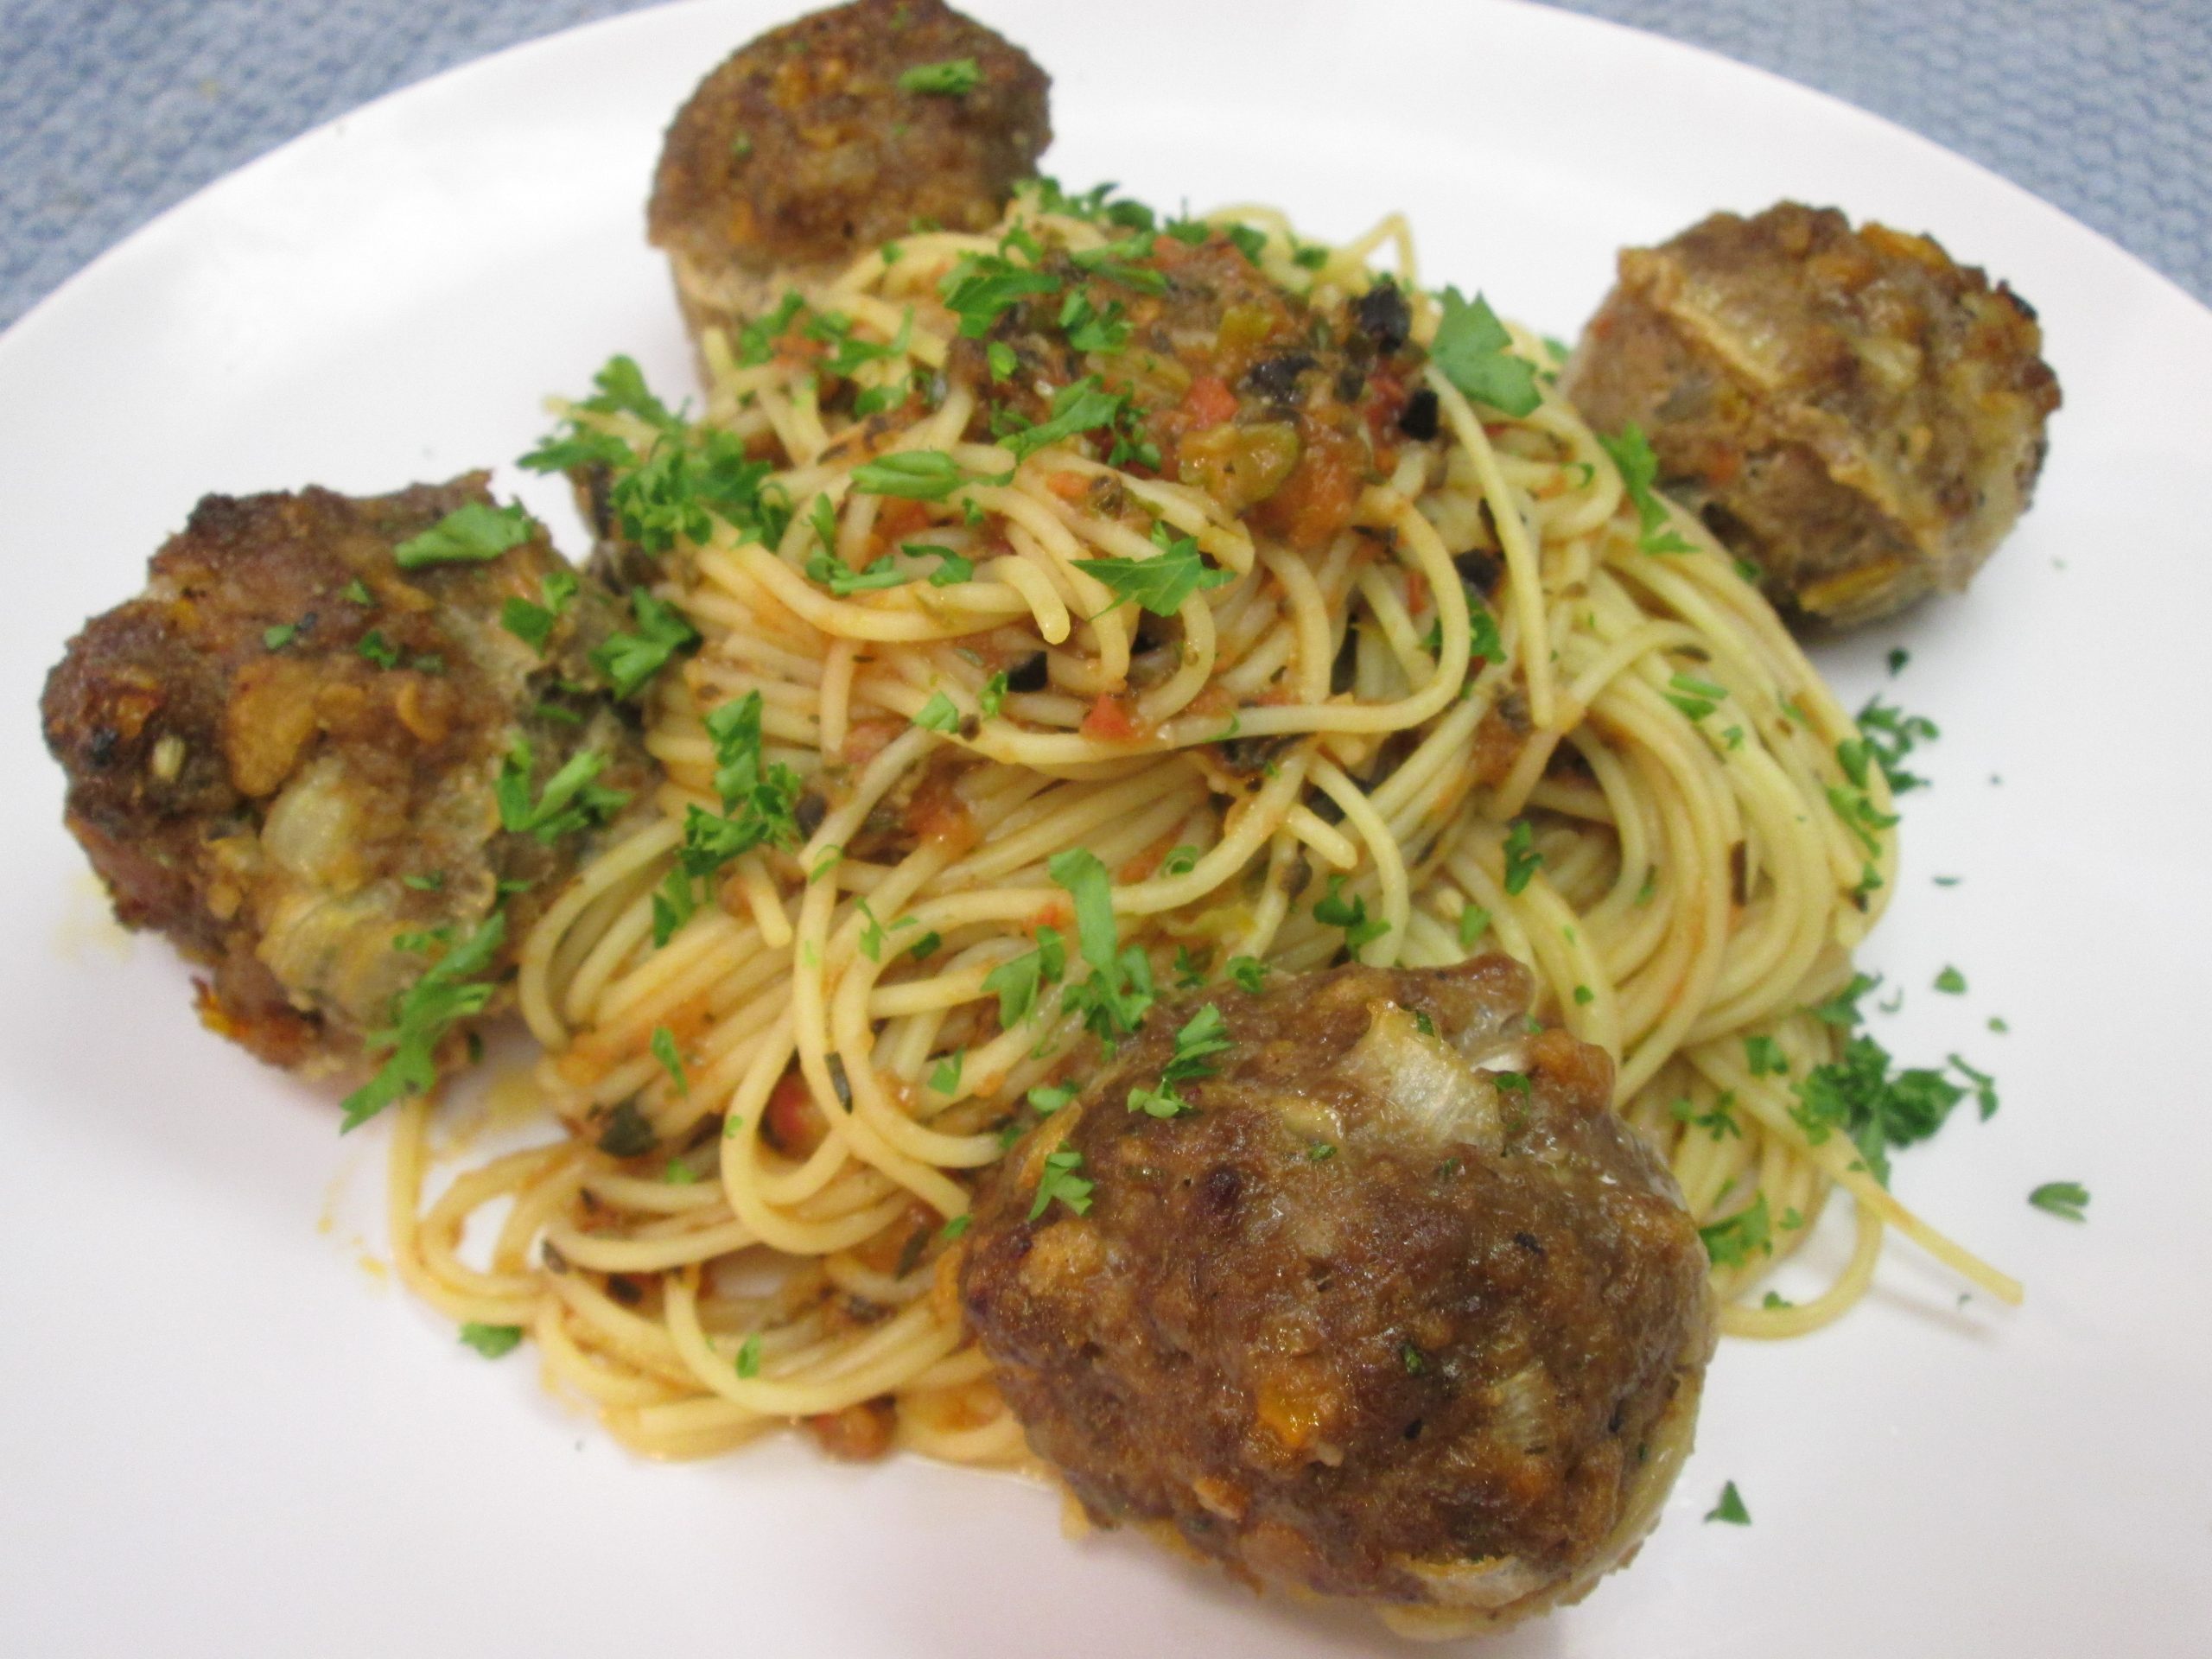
<point>112,110</point>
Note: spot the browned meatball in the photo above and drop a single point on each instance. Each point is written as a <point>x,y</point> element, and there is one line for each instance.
<point>1371,1315</point>
<point>1850,411</point>
<point>285,754</point>
<point>805,148</point>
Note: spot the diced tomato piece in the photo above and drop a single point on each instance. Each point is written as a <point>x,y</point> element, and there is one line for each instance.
<point>1208,402</point>
<point>1110,719</point>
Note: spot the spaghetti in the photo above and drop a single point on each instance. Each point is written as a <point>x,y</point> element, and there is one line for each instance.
<point>977,658</point>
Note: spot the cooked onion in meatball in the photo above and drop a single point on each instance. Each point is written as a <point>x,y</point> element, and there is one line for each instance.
<point>833,133</point>
<point>1849,411</point>
<point>1381,1300</point>
<point>288,753</point>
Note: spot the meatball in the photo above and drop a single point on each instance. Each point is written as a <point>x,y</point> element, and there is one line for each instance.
<point>1368,1314</point>
<point>833,133</point>
<point>1850,411</point>
<point>288,752</point>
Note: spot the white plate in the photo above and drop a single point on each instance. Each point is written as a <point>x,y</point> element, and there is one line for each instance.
<point>220,1435</point>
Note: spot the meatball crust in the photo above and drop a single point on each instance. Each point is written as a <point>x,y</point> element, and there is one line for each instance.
<point>1851,411</point>
<point>1375,1317</point>
<point>283,753</point>
<point>802,149</point>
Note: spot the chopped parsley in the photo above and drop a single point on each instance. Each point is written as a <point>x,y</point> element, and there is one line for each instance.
<point>1764,1057</point>
<point>950,567</point>
<point>1016,982</point>
<point>748,1356</point>
<point>281,635</point>
<point>843,580</point>
<point>760,799</point>
<point>1474,352</point>
<point>1951,982</point>
<point>663,1048</point>
<point>1731,1507</point>
<point>1249,973</point>
<point>1473,920</point>
<point>1639,468</point>
<point>953,77</point>
<point>1730,1242</point>
<point>1859,1096</point>
<point>1886,736</point>
<point>946,1079</point>
<point>630,660</point>
<point>570,800</point>
<point>992,697</point>
<point>1203,1036</point>
<point>532,623</point>
<point>982,288</point>
<point>447,992</point>
<point>1081,407</point>
<point>1060,1181</point>
<point>1695,697</point>
<point>2067,1200</point>
<point>912,474</point>
<point>470,534</point>
<point>1046,1099</point>
<point>1114,1000</point>
<point>953,1228</point>
<point>492,1341</point>
<point>1159,585</point>
<point>938,715</point>
<point>1719,1122</point>
<point>373,647</point>
<point>1334,910</point>
<point>1522,861</point>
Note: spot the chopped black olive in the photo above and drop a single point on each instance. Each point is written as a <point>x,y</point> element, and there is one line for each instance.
<point>1275,378</point>
<point>1418,419</point>
<point>1478,570</point>
<point>808,812</point>
<point>1383,316</point>
<point>627,1134</point>
<point>1248,757</point>
<point>1028,674</point>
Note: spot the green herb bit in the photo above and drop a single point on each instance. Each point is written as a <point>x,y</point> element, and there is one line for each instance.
<point>1160,585</point>
<point>1730,1242</point>
<point>843,580</point>
<point>992,697</point>
<point>1078,408</point>
<point>925,947</point>
<point>1639,468</point>
<point>1334,910</point>
<point>1719,1122</point>
<point>663,1048</point>
<point>1764,1057</point>
<point>1859,1095</point>
<point>532,624</point>
<point>1474,920</point>
<point>946,1079</point>
<point>1046,1099</point>
<point>281,635</point>
<point>470,534</point>
<point>1522,861</point>
<point>358,591</point>
<point>1984,1086</point>
<point>951,567</point>
<point>629,661</point>
<point>492,1341</point>
<point>373,647</point>
<point>1319,1152</point>
<point>570,802</point>
<point>911,474</point>
<point>748,1356</point>
<point>1113,1002</point>
<point>1249,972</point>
<point>2067,1200</point>
<point>1060,1181</point>
<point>954,77</point>
<point>938,715</point>
<point>1730,1507</point>
<point>1003,361</point>
<point>1475,354</point>
<point>956,1227</point>
<point>1695,697</point>
<point>1413,1359</point>
<point>447,993</point>
<point>1841,1010</point>
<point>1951,982</point>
